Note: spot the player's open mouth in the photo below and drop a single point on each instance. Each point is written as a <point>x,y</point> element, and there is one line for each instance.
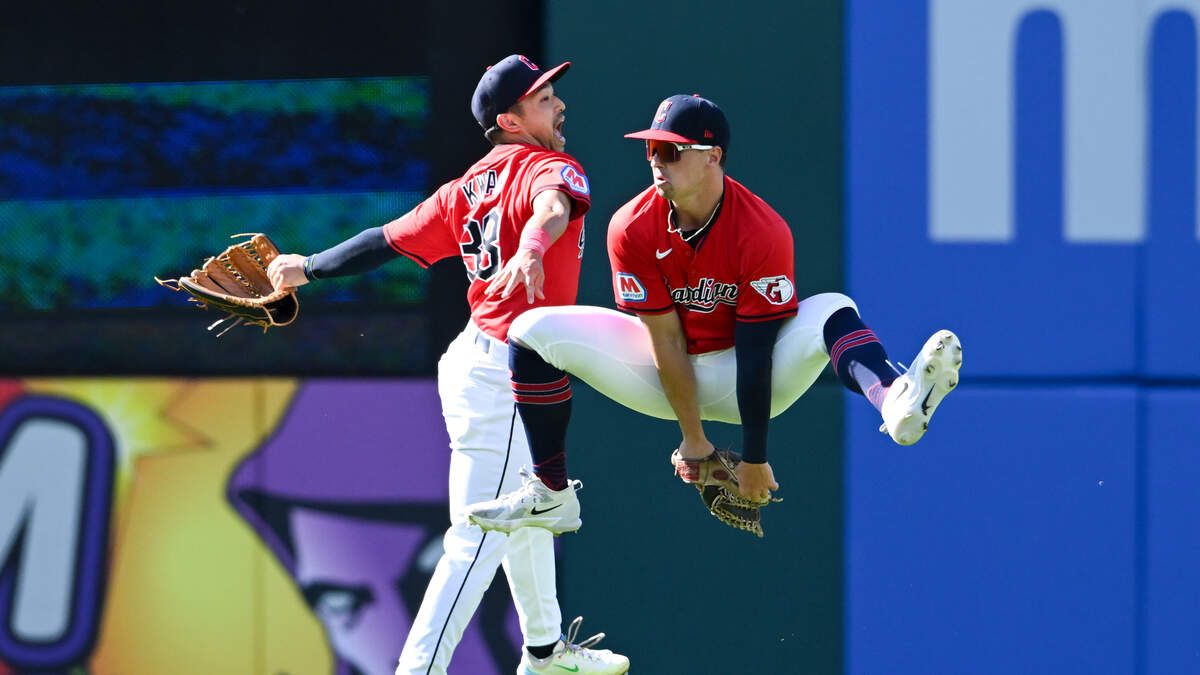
<point>558,129</point>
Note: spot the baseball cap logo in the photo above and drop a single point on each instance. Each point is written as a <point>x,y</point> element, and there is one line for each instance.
<point>661,115</point>
<point>531,64</point>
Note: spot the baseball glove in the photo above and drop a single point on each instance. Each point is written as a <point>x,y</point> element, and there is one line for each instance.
<point>716,480</point>
<point>235,281</point>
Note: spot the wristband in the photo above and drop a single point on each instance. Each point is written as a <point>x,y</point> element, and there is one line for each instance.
<point>308,270</point>
<point>534,239</point>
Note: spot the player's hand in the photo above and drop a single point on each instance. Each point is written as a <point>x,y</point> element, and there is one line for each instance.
<point>755,481</point>
<point>696,449</point>
<point>524,268</point>
<point>287,271</point>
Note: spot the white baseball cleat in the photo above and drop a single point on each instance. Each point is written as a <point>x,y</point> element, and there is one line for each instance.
<point>533,505</point>
<point>913,397</point>
<point>569,657</point>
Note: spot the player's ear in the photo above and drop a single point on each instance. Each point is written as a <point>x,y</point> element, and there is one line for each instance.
<point>715,155</point>
<point>508,122</point>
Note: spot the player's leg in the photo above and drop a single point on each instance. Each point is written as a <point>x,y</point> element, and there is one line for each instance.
<point>906,402</point>
<point>529,566</point>
<point>480,420</point>
<point>546,499</point>
<point>609,351</point>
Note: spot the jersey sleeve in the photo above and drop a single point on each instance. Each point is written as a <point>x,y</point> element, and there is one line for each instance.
<point>766,283</point>
<point>637,283</point>
<point>560,173</point>
<point>423,234</point>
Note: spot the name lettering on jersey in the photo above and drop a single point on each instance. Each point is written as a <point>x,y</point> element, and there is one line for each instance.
<point>777,290</point>
<point>480,186</point>
<point>705,295</point>
<point>576,182</point>
<point>629,288</point>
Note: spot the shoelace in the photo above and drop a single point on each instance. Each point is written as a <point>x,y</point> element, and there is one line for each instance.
<point>581,649</point>
<point>528,481</point>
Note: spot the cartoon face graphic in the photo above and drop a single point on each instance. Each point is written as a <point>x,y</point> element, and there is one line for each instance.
<point>354,508</point>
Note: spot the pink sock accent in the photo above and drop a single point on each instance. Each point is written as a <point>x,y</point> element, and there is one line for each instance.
<point>875,394</point>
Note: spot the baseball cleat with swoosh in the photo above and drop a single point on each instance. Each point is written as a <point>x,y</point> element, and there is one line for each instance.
<point>572,657</point>
<point>913,397</point>
<point>532,505</point>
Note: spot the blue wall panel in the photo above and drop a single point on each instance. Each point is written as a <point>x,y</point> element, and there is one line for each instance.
<point>1027,307</point>
<point>1172,252</point>
<point>1172,576</point>
<point>1002,543</point>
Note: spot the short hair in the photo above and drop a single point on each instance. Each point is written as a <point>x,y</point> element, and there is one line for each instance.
<point>494,134</point>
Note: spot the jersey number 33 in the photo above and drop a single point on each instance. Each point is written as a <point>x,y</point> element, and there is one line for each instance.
<point>480,246</point>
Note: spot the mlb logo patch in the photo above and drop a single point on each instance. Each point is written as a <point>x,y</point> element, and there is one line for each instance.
<point>777,290</point>
<point>629,288</point>
<point>576,182</point>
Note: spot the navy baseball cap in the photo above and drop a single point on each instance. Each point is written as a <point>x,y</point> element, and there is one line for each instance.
<point>688,119</point>
<point>507,82</point>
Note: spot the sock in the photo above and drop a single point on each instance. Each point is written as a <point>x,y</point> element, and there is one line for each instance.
<point>542,652</point>
<point>857,356</point>
<point>543,396</point>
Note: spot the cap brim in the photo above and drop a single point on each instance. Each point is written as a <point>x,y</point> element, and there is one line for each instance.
<point>660,135</point>
<point>548,76</point>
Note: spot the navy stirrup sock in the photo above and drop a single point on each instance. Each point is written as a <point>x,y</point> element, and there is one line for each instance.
<point>857,356</point>
<point>543,396</point>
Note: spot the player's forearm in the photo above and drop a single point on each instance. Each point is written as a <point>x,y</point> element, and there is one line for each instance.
<point>361,253</point>
<point>551,215</point>
<point>754,345</point>
<point>679,384</point>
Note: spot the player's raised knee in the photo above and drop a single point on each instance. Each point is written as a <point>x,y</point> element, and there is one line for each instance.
<point>527,328</point>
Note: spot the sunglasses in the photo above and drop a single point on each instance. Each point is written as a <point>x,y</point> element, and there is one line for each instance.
<point>669,152</point>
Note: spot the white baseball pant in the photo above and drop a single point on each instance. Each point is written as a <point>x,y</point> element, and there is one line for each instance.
<point>610,351</point>
<point>487,449</point>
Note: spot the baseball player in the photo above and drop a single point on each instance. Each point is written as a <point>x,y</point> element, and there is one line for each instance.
<point>515,218</point>
<point>707,268</point>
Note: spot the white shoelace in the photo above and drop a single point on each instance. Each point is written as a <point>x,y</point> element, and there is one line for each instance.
<point>582,649</point>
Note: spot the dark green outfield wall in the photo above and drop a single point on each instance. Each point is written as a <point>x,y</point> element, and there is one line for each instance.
<point>650,566</point>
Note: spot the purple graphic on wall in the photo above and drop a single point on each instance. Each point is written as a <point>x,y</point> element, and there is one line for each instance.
<point>350,494</point>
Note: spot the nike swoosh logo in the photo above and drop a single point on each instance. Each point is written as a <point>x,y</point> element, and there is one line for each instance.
<point>535,512</point>
<point>573,669</point>
<point>925,403</point>
<point>660,255</point>
<point>903,390</point>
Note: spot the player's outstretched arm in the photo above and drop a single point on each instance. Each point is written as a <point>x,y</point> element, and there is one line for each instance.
<point>361,253</point>
<point>551,215</point>
<point>669,347</point>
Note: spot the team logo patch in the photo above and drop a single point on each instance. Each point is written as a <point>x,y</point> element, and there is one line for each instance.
<point>527,62</point>
<point>777,290</point>
<point>629,288</point>
<point>576,182</point>
<point>661,115</point>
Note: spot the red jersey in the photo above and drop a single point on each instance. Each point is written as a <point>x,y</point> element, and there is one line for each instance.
<point>480,217</point>
<point>742,270</point>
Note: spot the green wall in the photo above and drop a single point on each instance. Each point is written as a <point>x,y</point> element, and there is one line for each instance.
<point>672,587</point>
